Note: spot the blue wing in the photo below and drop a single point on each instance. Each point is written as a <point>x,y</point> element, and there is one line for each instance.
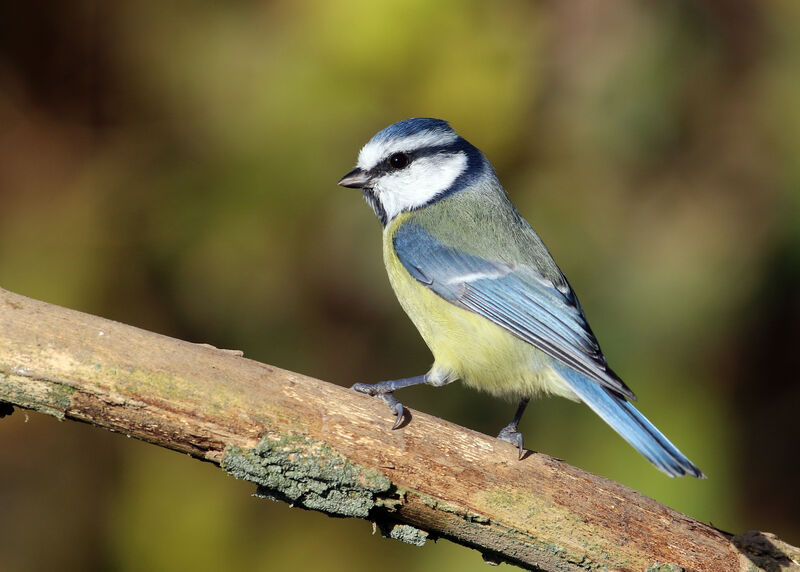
<point>547,315</point>
<point>515,297</point>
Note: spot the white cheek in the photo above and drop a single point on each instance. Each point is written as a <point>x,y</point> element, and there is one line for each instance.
<point>421,181</point>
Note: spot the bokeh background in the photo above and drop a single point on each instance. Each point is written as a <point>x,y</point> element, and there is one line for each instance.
<point>173,165</point>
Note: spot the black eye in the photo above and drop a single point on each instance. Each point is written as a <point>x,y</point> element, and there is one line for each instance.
<point>399,160</point>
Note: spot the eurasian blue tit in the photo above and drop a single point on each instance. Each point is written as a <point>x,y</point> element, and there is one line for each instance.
<point>483,290</point>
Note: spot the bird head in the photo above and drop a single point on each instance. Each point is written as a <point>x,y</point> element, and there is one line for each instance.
<point>411,164</point>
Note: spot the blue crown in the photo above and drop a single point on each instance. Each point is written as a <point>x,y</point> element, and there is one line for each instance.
<point>412,126</point>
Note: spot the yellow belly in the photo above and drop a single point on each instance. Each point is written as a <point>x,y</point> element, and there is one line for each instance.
<point>466,345</point>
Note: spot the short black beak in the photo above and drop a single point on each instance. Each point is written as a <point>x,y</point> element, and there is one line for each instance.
<point>355,179</point>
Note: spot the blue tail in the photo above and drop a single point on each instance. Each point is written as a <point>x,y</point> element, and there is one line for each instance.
<point>632,426</point>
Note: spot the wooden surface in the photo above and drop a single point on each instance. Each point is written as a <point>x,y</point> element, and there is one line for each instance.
<point>325,447</point>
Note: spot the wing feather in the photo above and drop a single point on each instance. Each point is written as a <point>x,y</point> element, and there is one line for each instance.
<point>515,297</point>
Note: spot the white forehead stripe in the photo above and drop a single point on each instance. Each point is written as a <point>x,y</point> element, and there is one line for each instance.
<point>376,151</point>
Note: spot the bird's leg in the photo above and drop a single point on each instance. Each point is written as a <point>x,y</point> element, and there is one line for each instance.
<point>385,389</point>
<point>510,433</point>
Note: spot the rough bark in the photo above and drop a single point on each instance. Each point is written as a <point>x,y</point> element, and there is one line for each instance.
<point>326,448</point>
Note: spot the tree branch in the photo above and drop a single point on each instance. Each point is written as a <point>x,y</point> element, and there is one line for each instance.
<point>326,448</point>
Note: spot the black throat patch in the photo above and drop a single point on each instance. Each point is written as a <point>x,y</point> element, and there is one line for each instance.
<point>377,207</point>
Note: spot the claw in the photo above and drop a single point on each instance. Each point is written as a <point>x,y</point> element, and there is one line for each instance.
<point>387,397</point>
<point>509,434</point>
<point>385,390</point>
<point>400,412</point>
<point>396,407</point>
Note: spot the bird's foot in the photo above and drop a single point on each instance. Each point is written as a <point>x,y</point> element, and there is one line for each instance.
<point>509,434</point>
<point>386,395</point>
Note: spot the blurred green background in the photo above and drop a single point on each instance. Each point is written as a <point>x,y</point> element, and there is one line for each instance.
<point>173,165</point>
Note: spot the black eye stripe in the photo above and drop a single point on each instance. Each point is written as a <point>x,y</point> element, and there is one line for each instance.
<point>450,149</point>
<point>416,154</point>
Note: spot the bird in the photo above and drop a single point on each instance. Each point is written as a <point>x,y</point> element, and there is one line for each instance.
<point>482,288</point>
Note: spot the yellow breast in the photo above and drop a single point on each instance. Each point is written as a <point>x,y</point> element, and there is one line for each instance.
<point>466,345</point>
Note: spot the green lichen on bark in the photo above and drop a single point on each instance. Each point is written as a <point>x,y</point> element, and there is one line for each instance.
<point>557,556</point>
<point>408,534</point>
<point>452,509</point>
<point>48,397</point>
<point>307,473</point>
